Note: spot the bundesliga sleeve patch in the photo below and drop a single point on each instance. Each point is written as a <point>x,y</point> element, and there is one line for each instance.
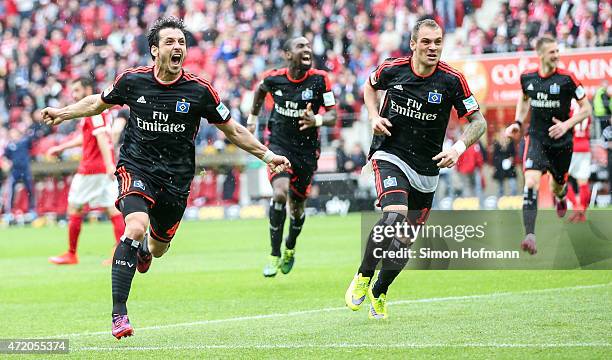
<point>373,79</point>
<point>580,92</point>
<point>107,90</point>
<point>329,99</point>
<point>223,111</point>
<point>470,103</point>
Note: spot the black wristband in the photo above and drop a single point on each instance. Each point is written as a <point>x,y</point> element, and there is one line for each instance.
<point>520,124</point>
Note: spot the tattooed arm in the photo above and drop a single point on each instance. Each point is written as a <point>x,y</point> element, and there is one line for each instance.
<point>472,132</point>
<point>475,129</point>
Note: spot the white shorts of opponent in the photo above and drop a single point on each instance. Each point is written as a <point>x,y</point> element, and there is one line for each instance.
<point>97,190</point>
<point>580,167</point>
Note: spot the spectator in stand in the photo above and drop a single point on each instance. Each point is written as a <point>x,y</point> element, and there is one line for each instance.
<point>17,159</point>
<point>356,159</point>
<point>504,153</point>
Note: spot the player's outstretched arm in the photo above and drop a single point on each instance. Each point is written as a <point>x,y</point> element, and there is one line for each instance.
<point>258,101</point>
<point>522,109</point>
<point>88,106</point>
<point>242,138</point>
<point>74,142</point>
<point>472,132</point>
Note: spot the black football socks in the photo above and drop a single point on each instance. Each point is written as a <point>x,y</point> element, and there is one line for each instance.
<point>530,209</point>
<point>278,213</point>
<point>295,228</point>
<point>377,241</point>
<point>123,269</point>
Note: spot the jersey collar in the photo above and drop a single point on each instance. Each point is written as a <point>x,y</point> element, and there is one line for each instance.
<point>422,76</point>
<point>167,83</point>
<point>546,76</point>
<point>297,80</point>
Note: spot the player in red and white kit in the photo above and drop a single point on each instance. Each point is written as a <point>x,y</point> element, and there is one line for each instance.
<point>580,170</point>
<point>95,183</point>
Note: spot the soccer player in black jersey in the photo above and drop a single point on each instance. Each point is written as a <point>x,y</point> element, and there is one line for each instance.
<point>157,160</point>
<point>406,152</point>
<point>299,91</point>
<point>548,91</point>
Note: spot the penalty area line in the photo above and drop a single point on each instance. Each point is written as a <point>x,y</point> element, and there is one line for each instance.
<point>342,308</point>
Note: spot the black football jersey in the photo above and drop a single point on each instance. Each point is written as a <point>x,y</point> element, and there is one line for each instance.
<point>419,109</point>
<point>291,96</point>
<point>164,120</point>
<point>549,97</point>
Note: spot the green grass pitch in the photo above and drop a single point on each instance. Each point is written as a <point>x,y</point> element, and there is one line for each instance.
<point>206,298</point>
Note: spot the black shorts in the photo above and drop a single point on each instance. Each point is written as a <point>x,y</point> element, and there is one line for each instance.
<point>303,167</point>
<point>539,155</point>
<point>165,210</point>
<point>393,188</point>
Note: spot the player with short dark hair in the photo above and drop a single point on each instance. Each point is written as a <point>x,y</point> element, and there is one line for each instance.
<point>406,153</point>
<point>94,183</point>
<point>298,91</point>
<point>548,91</point>
<point>157,159</point>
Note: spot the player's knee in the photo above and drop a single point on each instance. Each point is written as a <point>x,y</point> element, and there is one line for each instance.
<point>532,182</point>
<point>136,226</point>
<point>296,207</point>
<point>135,230</point>
<point>280,195</point>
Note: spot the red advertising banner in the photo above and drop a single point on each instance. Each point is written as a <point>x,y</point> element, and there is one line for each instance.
<point>495,80</point>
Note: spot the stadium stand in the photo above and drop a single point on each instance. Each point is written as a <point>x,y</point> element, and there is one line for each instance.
<point>231,43</point>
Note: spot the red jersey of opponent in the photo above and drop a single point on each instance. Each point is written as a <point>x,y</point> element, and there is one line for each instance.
<point>92,161</point>
<point>582,134</point>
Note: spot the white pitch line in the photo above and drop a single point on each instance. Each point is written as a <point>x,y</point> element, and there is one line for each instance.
<point>342,346</point>
<point>343,308</point>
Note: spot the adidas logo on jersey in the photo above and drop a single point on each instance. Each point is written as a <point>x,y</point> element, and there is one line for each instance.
<point>141,100</point>
<point>530,87</point>
<point>278,93</point>
<point>399,87</point>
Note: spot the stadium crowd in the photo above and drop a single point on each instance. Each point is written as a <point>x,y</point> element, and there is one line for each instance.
<point>575,24</point>
<point>46,43</point>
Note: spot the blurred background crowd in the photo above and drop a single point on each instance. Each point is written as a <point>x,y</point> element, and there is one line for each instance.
<point>46,43</point>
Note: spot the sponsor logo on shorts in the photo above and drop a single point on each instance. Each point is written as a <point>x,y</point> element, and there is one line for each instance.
<point>389,182</point>
<point>139,184</point>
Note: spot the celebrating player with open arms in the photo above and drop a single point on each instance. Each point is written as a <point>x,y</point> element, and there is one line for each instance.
<point>548,145</point>
<point>406,152</point>
<point>157,160</point>
<point>298,92</point>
